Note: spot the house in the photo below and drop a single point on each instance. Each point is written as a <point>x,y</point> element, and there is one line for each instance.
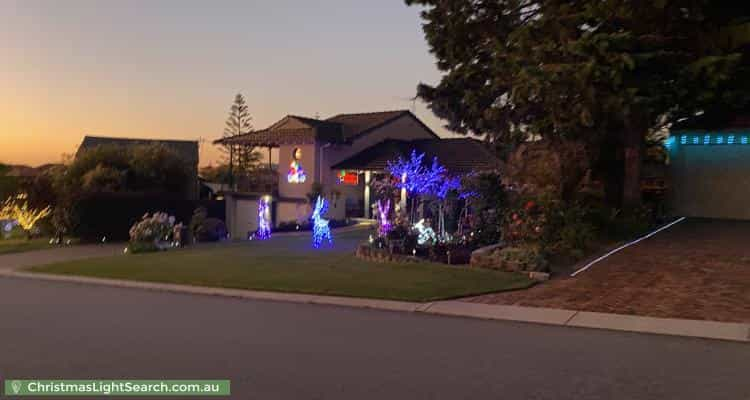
<point>709,160</point>
<point>344,154</point>
<point>186,149</point>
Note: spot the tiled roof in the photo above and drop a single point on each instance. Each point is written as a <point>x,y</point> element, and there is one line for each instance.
<point>187,149</point>
<point>457,155</point>
<point>359,124</point>
<point>337,129</point>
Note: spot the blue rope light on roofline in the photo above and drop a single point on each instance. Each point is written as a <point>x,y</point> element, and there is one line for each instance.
<point>707,139</point>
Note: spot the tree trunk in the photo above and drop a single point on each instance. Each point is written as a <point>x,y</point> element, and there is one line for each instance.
<point>231,167</point>
<point>632,159</point>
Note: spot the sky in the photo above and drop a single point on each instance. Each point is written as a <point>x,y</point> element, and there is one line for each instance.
<point>170,69</point>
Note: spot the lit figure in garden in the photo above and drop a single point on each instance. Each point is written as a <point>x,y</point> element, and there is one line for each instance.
<point>264,225</point>
<point>383,210</point>
<point>425,234</point>
<point>321,230</point>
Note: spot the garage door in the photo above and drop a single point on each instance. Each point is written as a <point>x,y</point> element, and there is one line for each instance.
<point>710,176</point>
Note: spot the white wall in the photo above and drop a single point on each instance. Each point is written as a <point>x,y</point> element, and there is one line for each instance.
<point>241,216</point>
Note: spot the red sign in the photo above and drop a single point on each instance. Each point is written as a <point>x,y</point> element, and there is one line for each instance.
<point>348,178</point>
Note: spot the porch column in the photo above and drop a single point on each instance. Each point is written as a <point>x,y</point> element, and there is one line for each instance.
<point>368,176</point>
<point>402,203</point>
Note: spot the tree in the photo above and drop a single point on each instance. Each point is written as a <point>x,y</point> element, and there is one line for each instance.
<point>606,72</point>
<point>238,123</point>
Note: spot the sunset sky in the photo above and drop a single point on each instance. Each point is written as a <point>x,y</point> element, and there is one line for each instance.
<point>170,69</point>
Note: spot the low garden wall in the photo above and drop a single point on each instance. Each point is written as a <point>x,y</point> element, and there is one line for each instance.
<point>369,253</point>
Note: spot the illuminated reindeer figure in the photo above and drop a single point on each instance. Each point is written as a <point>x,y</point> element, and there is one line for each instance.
<point>320,226</point>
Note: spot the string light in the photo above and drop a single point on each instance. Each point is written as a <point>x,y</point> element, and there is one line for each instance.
<point>321,230</point>
<point>706,139</point>
<point>383,209</point>
<point>264,225</point>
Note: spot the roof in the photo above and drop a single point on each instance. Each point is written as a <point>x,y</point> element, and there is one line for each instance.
<point>341,128</point>
<point>187,149</point>
<point>461,155</point>
<point>713,121</point>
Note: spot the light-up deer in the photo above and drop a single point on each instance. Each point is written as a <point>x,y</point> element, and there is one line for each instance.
<point>383,209</point>
<point>321,230</point>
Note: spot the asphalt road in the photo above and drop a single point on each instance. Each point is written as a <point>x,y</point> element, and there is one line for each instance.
<point>296,351</point>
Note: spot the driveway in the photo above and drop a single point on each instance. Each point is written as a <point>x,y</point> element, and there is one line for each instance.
<point>300,351</point>
<point>40,257</point>
<point>698,269</point>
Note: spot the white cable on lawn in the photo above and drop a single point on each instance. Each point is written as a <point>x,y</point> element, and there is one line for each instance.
<point>587,266</point>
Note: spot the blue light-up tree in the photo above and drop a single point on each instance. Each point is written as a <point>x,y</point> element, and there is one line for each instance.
<point>415,178</point>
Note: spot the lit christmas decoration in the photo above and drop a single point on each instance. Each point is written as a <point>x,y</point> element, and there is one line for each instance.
<point>706,140</point>
<point>296,173</point>
<point>264,225</point>
<point>17,210</point>
<point>425,234</point>
<point>384,224</point>
<point>321,230</point>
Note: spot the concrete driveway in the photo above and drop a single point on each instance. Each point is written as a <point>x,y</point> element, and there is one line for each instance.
<point>40,257</point>
<point>299,351</point>
<point>697,269</point>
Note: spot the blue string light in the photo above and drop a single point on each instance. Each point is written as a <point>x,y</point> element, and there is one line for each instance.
<point>264,225</point>
<point>321,230</point>
<point>707,139</point>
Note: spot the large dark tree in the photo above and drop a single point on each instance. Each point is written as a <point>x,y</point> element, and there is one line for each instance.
<point>606,72</point>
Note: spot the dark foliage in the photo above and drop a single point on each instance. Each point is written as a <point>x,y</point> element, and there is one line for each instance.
<point>111,215</point>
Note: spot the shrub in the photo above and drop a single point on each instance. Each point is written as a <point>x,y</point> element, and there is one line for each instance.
<point>212,230</point>
<point>154,228</point>
<point>196,222</point>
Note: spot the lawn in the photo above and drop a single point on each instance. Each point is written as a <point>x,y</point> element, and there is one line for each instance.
<point>289,264</point>
<point>8,246</point>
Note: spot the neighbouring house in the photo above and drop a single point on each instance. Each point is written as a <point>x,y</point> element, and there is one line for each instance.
<point>709,160</point>
<point>344,154</point>
<point>186,149</point>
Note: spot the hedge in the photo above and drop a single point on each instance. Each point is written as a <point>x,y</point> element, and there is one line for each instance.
<point>111,215</point>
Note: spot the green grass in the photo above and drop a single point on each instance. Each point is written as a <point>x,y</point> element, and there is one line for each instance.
<point>289,264</point>
<point>8,246</point>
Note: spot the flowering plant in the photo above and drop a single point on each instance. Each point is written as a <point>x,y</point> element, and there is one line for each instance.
<point>158,227</point>
<point>524,224</point>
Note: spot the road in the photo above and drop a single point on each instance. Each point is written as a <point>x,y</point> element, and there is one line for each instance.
<point>298,351</point>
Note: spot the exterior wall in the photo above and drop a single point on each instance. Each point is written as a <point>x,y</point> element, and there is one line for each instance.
<point>287,211</point>
<point>241,215</point>
<point>710,181</point>
<point>309,164</point>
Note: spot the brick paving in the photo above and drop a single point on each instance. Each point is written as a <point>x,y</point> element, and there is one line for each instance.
<point>698,269</point>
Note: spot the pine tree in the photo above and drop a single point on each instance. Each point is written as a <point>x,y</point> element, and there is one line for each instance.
<point>239,158</point>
